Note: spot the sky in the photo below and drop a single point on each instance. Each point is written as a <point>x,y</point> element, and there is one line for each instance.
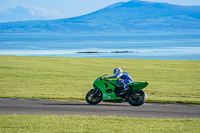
<point>21,10</point>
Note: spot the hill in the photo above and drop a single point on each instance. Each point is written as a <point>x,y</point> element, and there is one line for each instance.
<point>47,77</point>
<point>132,16</point>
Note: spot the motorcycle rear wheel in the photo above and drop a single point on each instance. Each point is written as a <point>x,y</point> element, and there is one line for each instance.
<point>94,98</point>
<point>137,98</point>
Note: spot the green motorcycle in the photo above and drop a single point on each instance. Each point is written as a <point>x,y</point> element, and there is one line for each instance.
<point>107,90</point>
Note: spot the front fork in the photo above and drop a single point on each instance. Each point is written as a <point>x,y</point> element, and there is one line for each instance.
<point>95,92</point>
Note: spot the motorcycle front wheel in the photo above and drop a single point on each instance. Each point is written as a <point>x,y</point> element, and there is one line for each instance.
<point>137,98</point>
<point>94,96</point>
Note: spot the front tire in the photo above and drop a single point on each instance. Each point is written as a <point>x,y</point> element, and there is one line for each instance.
<point>137,98</point>
<point>94,96</point>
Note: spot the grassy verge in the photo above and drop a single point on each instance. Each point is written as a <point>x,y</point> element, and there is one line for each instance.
<point>95,124</point>
<point>71,78</point>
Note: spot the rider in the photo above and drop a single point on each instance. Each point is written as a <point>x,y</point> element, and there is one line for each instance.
<point>123,78</point>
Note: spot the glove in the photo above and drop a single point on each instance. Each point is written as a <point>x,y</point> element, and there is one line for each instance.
<point>119,79</point>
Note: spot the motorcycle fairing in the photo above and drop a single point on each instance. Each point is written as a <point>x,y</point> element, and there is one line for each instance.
<point>107,89</point>
<point>137,85</point>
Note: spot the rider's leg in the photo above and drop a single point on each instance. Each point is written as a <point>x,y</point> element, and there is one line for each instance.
<point>124,83</point>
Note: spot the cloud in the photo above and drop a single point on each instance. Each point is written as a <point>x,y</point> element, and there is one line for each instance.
<point>24,12</point>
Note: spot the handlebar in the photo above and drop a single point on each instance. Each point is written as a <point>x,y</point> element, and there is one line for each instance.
<point>104,75</point>
<point>101,78</point>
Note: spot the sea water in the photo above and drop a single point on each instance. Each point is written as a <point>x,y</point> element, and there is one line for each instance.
<point>166,46</point>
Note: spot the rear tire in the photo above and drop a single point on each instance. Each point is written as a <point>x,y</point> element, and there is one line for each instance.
<point>94,99</point>
<point>137,98</point>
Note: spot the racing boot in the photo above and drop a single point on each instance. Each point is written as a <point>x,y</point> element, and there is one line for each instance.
<point>123,92</point>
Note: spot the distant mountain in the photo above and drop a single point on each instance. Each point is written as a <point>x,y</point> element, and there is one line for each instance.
<point>132,16</point>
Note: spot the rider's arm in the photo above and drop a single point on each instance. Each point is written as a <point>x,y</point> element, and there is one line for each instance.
<point>116,76</point>
<point>112,77</point>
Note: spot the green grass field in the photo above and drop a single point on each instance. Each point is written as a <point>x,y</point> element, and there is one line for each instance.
<point>94,124</point>
<point>71,78</point>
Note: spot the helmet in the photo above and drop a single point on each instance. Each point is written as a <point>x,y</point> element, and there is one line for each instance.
<point>117,71</point>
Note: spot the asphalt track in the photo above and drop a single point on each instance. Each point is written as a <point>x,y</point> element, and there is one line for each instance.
<point>53,107</point>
